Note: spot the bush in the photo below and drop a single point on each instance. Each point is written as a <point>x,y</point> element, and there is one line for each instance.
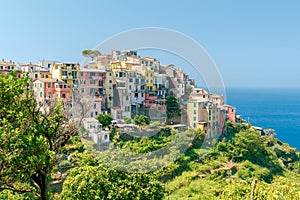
<point>141,120</point>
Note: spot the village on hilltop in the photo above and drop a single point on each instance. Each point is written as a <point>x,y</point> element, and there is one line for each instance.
<point>124,85</point>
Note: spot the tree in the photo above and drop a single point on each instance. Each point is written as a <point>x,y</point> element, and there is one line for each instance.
<point>105,119</point>
<point>97,182</point>
<point>30,137</point>
<point>173,108</point>
<point>91,53</point>
<point>127,120</point>
<point>141,120</point>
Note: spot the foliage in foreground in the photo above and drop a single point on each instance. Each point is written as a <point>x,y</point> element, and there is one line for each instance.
<point>30,138</point>
<point>98,182</point>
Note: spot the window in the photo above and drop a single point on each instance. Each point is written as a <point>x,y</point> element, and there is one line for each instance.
<point>49,85</point>
<point>81,74</point>
<point>194,125</point>
<point>127,108</point>
<point>95,106</point>
<point>92,91</point>
<point>195,104</point>
<point>41,85</point>
<point>129,87</point>
<point>35,85</point>
<point>110,81</point>
<point>60,86</point>
<point>105,137</point>
<point>91,81</point>
<point>142,94</point>
<point>41,94</point>
<point>195,118</point>
<point>195,112</point>
<point>130,80</point>
<point>35,75</point>
<point>47,76</point>
<point>127,98</point>
<point>63,95</point>
<point>82,90</point>
<point>203,96</point>
<point>56,85</point>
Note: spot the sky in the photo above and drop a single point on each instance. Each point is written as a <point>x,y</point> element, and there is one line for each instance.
<point>253,43</point>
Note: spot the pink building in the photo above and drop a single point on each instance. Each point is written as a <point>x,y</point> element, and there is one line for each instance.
<point>231,113</point>
<point>151,98</point>
<point>91,81</point>
<point>91,86</point>
<point>47,88</point>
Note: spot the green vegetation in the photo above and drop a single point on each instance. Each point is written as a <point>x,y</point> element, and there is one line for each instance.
<point>127,120</point>
<point>35,145</point>
<point>141,120</point>
<point>98,182</point>
<point>91,53</point>
<point>173,107</point>
<point>30,138</point>
<point>105,120</point>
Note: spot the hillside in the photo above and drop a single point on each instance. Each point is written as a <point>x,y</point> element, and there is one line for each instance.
<point>240,161</point>
<point>241,165</point>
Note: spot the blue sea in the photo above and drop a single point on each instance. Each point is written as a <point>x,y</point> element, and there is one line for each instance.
<point>278,109</point>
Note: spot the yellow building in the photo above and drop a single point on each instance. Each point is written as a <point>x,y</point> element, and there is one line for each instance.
<point>202,112</point>
<point>149,75</point>
<point>35,75</point>
<point>67,72</point>
<point>120,65</point>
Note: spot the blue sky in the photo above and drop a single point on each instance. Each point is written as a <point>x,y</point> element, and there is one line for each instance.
<point>253,43</point>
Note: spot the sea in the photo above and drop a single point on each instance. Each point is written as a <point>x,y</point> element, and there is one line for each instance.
<point>276,108</point>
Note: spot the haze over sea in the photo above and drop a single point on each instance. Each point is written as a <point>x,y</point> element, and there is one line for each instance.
<point>276,108</point>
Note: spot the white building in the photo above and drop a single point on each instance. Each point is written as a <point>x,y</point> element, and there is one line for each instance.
<point>95,132</point>
<point>136,88</point>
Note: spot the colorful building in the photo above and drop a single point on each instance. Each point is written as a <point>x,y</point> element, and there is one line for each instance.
<point>67,72</point>
<point>205,112</point>
<point>91,87</point>
<point>46,89</point>
<point>231,113</point>
<point>7,66</point>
